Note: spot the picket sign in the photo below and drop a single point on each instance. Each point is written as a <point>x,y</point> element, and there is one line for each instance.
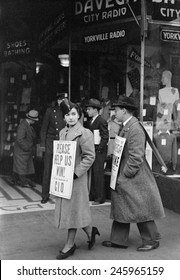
<point>62,173</point>
<point>118,149</point>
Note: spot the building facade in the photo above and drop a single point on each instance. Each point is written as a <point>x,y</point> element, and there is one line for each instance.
<point>104,41</point>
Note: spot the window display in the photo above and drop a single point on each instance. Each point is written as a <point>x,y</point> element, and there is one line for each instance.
<point>166,144</point>
<point>162,101</point>
<point>167,96</point>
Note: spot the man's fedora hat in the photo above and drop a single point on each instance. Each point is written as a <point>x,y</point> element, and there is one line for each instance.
<point>32,115</point>
<point>94,103</point>
<point>126,102</point>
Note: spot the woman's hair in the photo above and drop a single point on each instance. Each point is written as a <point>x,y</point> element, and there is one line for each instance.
<point>77,107</point>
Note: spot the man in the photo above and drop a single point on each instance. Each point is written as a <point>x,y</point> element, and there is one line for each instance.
<point>53,122</point>
<point>23,165</point>
<point>136,198</point>
<point>99,127</point>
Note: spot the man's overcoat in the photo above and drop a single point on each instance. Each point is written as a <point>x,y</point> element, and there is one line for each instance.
<point>23,149</point>
<point>136,198</point>
<point>53,122</point>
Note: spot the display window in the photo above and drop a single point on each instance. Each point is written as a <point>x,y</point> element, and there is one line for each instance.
<point>24,87</point>
<point>161,95</point>
<point>106,64</point>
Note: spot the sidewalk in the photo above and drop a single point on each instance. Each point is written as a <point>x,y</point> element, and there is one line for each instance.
<point>27,230</point>
<point>33,236</point>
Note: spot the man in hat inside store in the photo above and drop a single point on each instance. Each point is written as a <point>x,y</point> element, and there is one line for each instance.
<point>136,198</point>
<point>99,127</point>
<point>53,122</point>
<point>23,166</point>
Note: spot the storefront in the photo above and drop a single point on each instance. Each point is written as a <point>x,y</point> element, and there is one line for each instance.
<point>106,62</point>
<point>115,48</point>
<point>107,38</point>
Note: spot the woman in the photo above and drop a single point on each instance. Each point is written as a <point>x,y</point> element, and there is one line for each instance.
<point>75,213</point>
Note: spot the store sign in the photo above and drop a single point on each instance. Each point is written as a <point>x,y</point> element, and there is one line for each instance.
<point>17,48</point>
<point>136,57</point>
<point>104,36</point>
<point>98,11</point>
<point>170,35</point>
<point>54,31</point>
<point>164,10</point>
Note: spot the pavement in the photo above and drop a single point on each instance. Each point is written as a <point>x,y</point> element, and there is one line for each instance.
<point>27,230</point>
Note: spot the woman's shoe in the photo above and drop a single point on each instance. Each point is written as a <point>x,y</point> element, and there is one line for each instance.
<point>65,255</point>
<point>93,237</point>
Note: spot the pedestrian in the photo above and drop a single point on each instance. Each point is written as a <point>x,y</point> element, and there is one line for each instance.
<point>99,127</point>
<point>136,198</point>
<point>74,213</point>
<point>23,165</point>
<point>53,122</point>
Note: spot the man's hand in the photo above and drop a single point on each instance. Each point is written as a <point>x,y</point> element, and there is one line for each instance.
<point>164,169</point>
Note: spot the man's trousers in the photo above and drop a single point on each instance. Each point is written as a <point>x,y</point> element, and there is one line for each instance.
<point>120,232</point>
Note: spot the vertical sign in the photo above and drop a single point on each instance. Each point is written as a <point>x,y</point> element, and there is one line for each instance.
<point>63,168</point>
<point>118,149</point>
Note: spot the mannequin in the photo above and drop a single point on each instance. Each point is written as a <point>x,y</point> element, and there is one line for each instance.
<point>167,96</point>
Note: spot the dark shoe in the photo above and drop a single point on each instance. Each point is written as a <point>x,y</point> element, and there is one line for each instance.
<point>93,237</point>
<point>65,255</point>
<point>96,203</point>
<point>110,244</point>
<point>26,186</point>
<point>148,247</point>
<point>44,200</point>
<point>32,184</point>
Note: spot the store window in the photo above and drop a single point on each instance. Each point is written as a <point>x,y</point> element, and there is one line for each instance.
<point>161,95</point>
<point>24,86</point>
<point>107,65</point>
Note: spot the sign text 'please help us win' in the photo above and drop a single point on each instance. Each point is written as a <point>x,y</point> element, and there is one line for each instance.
<point>63,168</point>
